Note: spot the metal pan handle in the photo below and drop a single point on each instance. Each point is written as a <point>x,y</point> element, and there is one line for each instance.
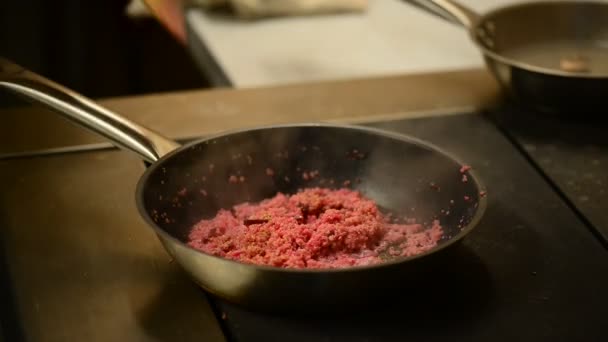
<point>460,13</point>
<point>125,134</point>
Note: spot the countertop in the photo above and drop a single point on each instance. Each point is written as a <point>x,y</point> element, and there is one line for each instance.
<point>390,37</point>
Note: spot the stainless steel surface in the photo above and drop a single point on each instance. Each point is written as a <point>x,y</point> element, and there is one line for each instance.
<point>551,55</point>
<point>539,36</point>
<point>124,133</point>
<point>83,265</point>
<point>195,113</point>
<point>84,147</point>
<point>59,150</point>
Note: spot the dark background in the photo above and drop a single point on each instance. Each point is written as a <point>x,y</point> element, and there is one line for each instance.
<point>94,48</point>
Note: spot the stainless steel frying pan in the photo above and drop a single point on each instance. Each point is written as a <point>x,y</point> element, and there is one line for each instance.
<point>396,173</point>
<point>551,55</point>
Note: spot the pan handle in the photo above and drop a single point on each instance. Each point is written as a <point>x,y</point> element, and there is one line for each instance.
<point>125,134</point>
<point>460,13</point>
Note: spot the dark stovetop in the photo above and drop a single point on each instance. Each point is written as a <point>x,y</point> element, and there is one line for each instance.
<point>533,270</point>
<point>572,153</point>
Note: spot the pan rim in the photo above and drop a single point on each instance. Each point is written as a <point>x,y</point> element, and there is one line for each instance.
<point>524,65</point>
<point>470,226</point>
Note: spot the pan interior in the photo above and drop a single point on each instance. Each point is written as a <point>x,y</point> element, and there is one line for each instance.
<point>569,37</point>
<point>404,177</point>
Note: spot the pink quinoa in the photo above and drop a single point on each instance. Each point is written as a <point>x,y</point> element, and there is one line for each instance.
<point>314,228</point>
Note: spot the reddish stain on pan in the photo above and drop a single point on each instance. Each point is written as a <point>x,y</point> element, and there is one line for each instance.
<point>465,168</point>
<point>314,228</point>
<point>310,175</point>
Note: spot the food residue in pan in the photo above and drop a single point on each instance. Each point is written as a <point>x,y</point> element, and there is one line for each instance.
<point>571,56</point>
<point>310,175</point>
<point>575,63</point>
<point>236,179</point>
<point>313,228</point>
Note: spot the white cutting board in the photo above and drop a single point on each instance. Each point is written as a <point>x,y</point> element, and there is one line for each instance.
<point>392,37</point>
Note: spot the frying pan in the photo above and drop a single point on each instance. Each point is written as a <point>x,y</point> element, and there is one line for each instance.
<point>551,56</point>
<point>408,177</point>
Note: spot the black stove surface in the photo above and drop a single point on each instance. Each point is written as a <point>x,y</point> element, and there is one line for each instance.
<point>533,270</point>
<point>573,154</point>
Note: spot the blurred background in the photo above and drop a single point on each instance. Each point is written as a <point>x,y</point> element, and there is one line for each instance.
<point>95,48</point>
<point>130,47</point>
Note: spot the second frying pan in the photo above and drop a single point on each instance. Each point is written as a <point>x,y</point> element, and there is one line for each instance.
<point>551,55</point>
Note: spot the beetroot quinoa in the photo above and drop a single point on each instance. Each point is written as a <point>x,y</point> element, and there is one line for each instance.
<point>314,228</point>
